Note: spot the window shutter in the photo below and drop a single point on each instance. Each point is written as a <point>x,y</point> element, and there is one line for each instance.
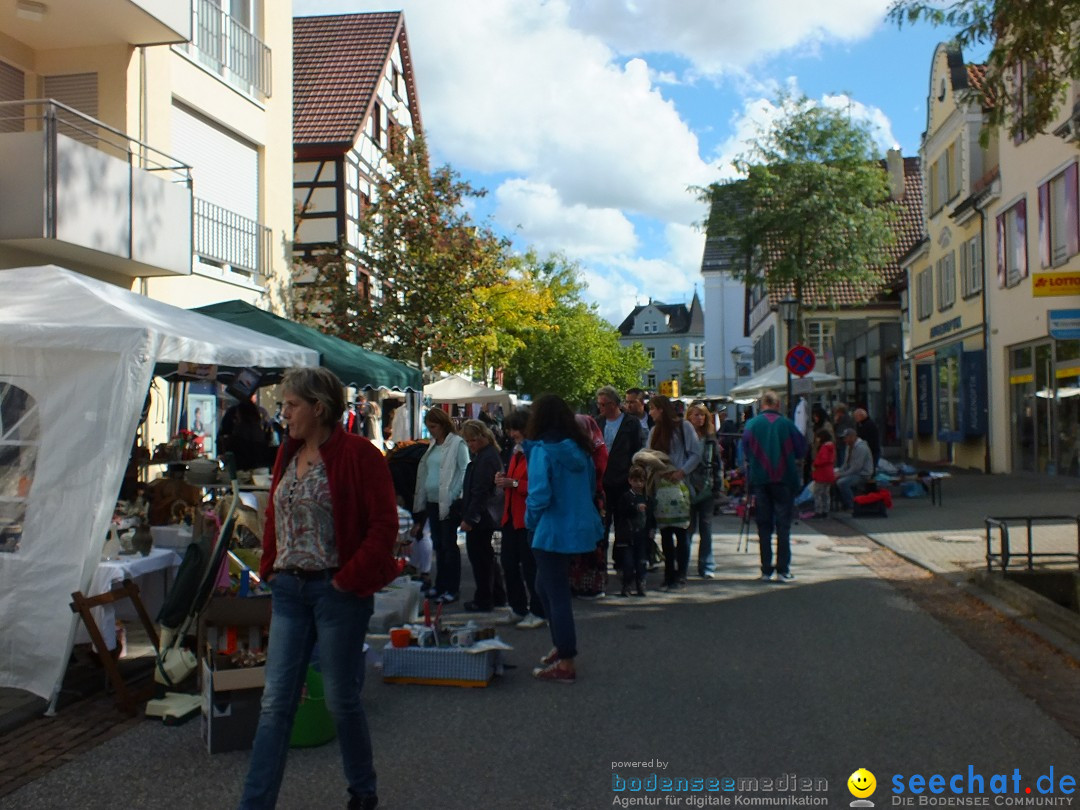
<point>12,83</point>
<point>1072,211</point>
<point>1045,218</point>
<point>1021,239</point>
<point>1001,264</point>
<point>1018,83</point>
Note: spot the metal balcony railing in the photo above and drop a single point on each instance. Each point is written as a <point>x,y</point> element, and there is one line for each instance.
<point>230,241</point>
<point>229,49</point>
<point>1005,553</point>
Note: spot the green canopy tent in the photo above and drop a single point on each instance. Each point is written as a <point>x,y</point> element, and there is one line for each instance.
<point>355,366</point>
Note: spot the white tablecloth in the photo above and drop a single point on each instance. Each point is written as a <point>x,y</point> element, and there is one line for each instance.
<point>152,573</point>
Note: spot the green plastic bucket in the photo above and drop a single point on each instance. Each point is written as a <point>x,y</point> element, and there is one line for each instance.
<point>313,724</point>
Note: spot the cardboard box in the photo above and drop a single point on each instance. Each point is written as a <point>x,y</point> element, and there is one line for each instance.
<point>230,711</point>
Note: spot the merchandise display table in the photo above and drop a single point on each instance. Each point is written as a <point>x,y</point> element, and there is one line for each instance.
<point>153,574</point>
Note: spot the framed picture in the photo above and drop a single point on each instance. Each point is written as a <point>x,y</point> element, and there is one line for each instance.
<point>202,420</point>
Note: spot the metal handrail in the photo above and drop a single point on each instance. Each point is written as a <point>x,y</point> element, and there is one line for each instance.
<point>229,239</point>
<point>1001,524</point>
<point>55,114</point>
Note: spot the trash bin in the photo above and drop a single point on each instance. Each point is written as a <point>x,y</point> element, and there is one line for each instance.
<point>313,724</point>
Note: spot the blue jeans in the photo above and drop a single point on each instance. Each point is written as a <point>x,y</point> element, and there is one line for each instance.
<point>774,506</point>
<point>701,522</point>
<point>303,610</point>
<point>553,585</point>
<point>846,486</point>
<point>447,553</point>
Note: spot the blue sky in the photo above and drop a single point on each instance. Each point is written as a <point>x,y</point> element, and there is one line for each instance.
<point>586,120</point>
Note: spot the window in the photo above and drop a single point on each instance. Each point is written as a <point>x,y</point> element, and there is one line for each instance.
<point>925,294</point>
<point>650,380</point>
<point>651,352</point>
<point>944,178</point>
<point>376,124</point>
<point>820,336</point>
<point>971,267</point>
<point>765,348</point>
<point>676,351</point>
<point>1059,228</point>
<point>946,281</point>
<point>19,437</point>
<point>948,405</point>
<point>1012,263</point>
<point>697,351</point>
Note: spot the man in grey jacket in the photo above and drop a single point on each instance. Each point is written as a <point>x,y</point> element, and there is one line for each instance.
<point>857,469</point>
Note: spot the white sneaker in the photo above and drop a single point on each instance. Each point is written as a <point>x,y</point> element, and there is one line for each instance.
<point>511,618</point>
<point>531,621</point>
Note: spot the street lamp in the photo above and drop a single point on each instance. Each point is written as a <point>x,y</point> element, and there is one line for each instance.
<point>789,311</point>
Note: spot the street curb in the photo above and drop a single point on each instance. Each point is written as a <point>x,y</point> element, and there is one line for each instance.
<point>1055,624</point>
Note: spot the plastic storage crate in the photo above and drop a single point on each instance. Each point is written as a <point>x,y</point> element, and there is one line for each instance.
<point>439,666</point>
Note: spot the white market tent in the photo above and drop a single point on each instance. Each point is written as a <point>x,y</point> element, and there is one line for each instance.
<point>77,356</point>
<point>775,379</point>
<point>454,389</point>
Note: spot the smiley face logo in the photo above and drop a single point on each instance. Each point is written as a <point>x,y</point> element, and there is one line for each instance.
<point>861,783</point>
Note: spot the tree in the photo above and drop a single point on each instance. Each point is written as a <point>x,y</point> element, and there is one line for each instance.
<point>1037,42</point>
<point>429,263</point>
<point>808,211</point>
<point>575,351</point>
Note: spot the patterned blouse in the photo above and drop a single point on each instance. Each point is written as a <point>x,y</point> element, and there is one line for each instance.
<point>304,520</point>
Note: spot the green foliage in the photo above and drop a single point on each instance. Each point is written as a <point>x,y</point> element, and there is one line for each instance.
<point>1042,37</point>
<point>808,211</point>
<point>428,263</point>
<point>573,351</point>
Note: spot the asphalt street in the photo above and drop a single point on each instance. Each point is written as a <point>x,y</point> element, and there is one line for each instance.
<point>730,679</point>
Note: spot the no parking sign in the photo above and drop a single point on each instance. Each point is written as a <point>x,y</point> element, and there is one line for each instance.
<point>800,360</point>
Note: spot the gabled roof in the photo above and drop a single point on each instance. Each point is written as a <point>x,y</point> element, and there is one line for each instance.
<point>681,319</point>
<point>338,61</point>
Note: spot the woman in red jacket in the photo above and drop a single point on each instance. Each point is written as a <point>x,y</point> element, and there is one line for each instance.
<point>518,563</point>
<point>824,472</point>
<point>328,547</point>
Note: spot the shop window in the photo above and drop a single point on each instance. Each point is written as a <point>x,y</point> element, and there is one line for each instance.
<point>946,281</point>
<point>1059,228</point>
<point>19,437</point>
<point>1012,265</point>
<point>971,267</point>
<point>925,294</point>
<point>948,397</point>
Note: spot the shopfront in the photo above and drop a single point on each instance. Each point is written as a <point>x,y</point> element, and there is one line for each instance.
<point>1044,401</point>
<point>950,406</point>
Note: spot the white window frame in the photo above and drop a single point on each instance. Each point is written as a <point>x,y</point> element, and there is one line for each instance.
<point>946,281</point>
<point>924,293</point>
<point>971,271</point>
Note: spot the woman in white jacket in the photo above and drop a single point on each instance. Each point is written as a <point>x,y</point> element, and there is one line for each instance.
<point>439,480</point>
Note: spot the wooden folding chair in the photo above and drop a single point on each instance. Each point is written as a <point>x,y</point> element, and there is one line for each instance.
<point>127,699</point>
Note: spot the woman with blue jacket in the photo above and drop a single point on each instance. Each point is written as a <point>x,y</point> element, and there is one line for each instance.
<point>560,512</point>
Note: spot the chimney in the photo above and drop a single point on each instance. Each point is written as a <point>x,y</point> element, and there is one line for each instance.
<point>894,162</point>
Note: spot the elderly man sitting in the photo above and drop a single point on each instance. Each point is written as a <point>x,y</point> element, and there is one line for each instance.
<point>858,466</point>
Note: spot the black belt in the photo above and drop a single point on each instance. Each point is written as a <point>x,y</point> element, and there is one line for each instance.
<point>309,573</point>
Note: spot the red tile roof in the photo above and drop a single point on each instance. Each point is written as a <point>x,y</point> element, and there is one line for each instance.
<point>976,76</point>
<point>909,231</point>
<point>338,61</point>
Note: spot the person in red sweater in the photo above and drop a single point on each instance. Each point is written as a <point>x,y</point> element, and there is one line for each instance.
<point>823,473</point>
<point>518,563</point>
<point>328,547</point>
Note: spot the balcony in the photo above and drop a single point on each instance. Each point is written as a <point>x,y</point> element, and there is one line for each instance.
<point>237,246</point>
<point>228,49</point>
<point>63,24</point>
<point>73,189</point>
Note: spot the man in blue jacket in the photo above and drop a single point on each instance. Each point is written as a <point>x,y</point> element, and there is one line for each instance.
<point>773,446</point>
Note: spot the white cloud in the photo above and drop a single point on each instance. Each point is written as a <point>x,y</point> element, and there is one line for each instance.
<point>543,219</point>
<point>722,36</point>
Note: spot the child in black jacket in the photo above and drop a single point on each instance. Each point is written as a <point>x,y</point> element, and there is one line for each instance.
<point>632,533</point>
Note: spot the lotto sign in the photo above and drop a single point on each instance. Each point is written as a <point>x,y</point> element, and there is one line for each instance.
<point>800,360</point>
<point>1045,284</point>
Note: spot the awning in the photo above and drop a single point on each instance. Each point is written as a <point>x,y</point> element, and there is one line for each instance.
<point>355,366</point>
<point>454,389</point>
<point>775,379</point>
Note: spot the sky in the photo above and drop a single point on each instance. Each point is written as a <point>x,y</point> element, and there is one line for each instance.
<point>589,121</point>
